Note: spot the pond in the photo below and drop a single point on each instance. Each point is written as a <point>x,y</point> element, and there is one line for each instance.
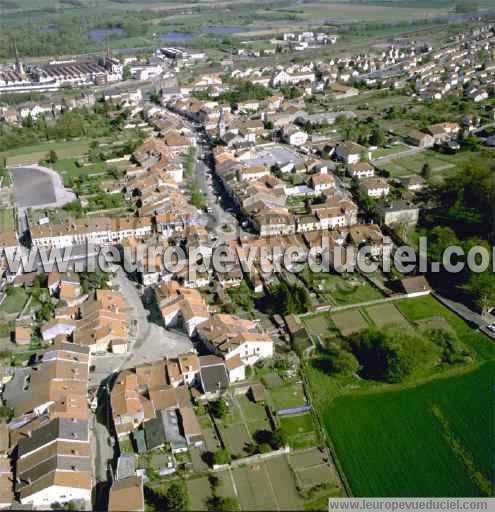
<point>100,34</point>
<point>176,37</point>
<point>222,30</point>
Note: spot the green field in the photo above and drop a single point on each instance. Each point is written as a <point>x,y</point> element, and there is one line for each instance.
<point>7,219</point>
<point>433,437</point>
<point>33,154</point>
<point>442,165</point>
<point>391,443</point>
<point>300,430</point>
<point>14,301</point>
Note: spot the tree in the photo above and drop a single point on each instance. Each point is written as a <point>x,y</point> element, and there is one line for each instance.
<point>219,408</point>
<point>392,354</point>
<point>426,171</point>
<point>176,499</point>
<point>221,457</point>
<point>440,238</point>
<point>377,137</point>
<point>52,157</point>
<point>481,286</point>
<point>222,504</point>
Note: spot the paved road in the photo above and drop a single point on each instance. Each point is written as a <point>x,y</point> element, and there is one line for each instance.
<point>153,342</point>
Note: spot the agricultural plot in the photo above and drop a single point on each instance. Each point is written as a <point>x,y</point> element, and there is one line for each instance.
<point>349,322</point>
<point>384,314</point>
<point>443,453</point>
<point>254,414</point>
<point>438,433</point>
<point>235,438</point>
<point>319,324</point>
<point>199,490</point>
<point>211,442</point>
<point>267,485</point>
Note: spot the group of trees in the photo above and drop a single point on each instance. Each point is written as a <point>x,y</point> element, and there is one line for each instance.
<point>465,217</point>
<point>286,299</point>
<point>68,125</point>
<point>392,354</point>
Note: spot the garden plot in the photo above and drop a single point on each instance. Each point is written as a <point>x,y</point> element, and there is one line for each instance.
<point>349,322</point>
<point>385,314</point>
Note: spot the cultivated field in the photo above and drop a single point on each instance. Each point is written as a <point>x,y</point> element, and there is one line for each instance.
<point>438,432</point>
<point>393,444</point>
<point>383,314</point>
<point>199,490</point>
<point>268,485</point>
<point>350,321</point>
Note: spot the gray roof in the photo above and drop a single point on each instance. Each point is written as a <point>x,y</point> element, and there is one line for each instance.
<point>126,466</point>
<point>64,463</point>
<point>171,424</point>
<point>154,432</point>
<point>214,378</point>
<point>59,428</point>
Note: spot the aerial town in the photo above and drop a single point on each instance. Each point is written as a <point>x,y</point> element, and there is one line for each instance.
<point>268,386</point>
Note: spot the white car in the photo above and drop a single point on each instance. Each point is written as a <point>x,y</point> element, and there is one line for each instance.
<point>491,327</point>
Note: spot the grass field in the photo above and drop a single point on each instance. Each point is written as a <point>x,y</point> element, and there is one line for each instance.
<point>290,395</point>
<point>433,437</point>
<point>14,301</point>
<point>7,219</point>
<point>300,430</point>
<point>392,444</point>
<point>442,165</point>
<point>33,154</point>
<point>68,168</point>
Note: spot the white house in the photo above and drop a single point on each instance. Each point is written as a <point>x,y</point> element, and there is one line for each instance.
<point>375,187</point>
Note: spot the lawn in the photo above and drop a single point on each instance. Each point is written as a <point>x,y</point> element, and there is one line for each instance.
<point>69,168</point>
<point>14,301</point>
<point>33,154</point>
<point>433,437</point>
<point>6,219</point>
<point>300,430</point>
<point>288,396</point>
<point>341,291</point>
<point>254,414</point>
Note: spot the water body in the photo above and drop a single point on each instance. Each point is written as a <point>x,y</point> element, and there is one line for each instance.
<point>176,37</point>
<point>223,30</point>
<point>100,34</point>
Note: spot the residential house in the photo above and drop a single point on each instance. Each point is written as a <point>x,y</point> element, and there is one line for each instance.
<point>374,187</point>
<point>361,170</point>
<point>349,152</point>
<point>127,494</point>
<point>181,306</point>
